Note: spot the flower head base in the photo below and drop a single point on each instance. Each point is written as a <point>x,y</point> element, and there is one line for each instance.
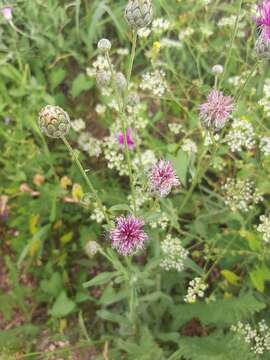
<point>130,142</point>
<point>139,13</point>
<point>7,12</point>
<point>263,19</point>
<point>54,121</point>
<point>262,47</point>
<point>162,178</point>
<point>216,111</point>
<point>128,237</point>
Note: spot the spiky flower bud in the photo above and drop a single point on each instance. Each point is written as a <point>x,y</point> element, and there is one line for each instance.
<point>104,45</point>
<point>262,47</point>
<point>120,81</point>
<point>103,78</point>
<point>133,99</point>
<point>139,13</point>
<point>54,121</point>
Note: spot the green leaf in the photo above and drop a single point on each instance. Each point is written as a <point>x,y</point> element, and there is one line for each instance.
<point>57,76</point>
<point>259,276</point>
<point>81,83</point>
<point>100,279</point>
<point>63,306</point>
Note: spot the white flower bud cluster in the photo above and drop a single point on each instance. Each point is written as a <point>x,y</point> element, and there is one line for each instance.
<point>97,214</point>
<point>114,156</point>
<point>161,222</point>
<point>189,146</point>
<point>240,194</point>
<point>78,125</point>
<point>241,136</point>
<point>160,26</point>
<point>175,128</point>
<point>174,254</point>
<point>141,197</point>
<point>265,145</point>
<point>257,338</point>
<point>100,109</point>
<point>147,160</point>
<point>265,100</point>
<point>208,139</point>
<point>100,64</point>
<point>264,228</point>
<point>154,82</point>
<point>196,288</point>
<point>89,144</point>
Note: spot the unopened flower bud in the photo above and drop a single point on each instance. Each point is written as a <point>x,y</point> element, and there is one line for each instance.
<point>91,248</point>
<point>103,79</point>
<point>139,13</point>
<point>104,45</point>
<point>120,81</point>
<point>217,69</point>
<point>54,121</point>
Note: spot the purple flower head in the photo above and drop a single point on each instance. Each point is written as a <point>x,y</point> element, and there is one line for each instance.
<point>217,110</point>
<point>121,139</point>
<point>263,19</point>
<point>128,236</point>
<point>7,12</point>
<point>162,178</point>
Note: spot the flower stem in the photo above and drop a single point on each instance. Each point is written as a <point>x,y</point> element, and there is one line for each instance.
<point>86,178</point>
<point>121,106</point>
<point>133,51</point>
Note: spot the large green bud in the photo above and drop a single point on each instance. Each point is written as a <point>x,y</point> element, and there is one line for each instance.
<point>54,121</point>
<point>139,13</point>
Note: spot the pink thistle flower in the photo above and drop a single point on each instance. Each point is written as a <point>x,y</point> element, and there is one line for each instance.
<point>128,236</point>
<point>217,110</point>
<point>7,12</point>
<point>263,19</point>
<point>121,139</point>
<point>162,178</point>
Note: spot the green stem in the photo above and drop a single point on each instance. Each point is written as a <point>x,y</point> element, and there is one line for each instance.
<point>121,106</point>
<point>242,88</point>
<point>133,51</point>
<point>86,178</point>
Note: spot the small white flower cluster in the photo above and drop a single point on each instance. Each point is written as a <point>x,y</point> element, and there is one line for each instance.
<point>154,82</point>
<point>196,288</point>
<point>175,128</point>
<point>174,254</point>
<point>189,146</point>
<point>141,197</point>
<point>78,125</point>
<point>265,101</point>
<point>97,214</point>
<point>185,33</point>
<point>122,51</point>
<point>264,228</point>
<point>230,21</point>
<point>100,109</point>
<point>144,32</point>
<point>100,63</point>
<point>146,160</point>
<point>241,136</point>
<point>160,26</point>
<point>240,194</point>
<point>91,248</point>
<point>265,145</point>
<point>114,155</point>
<point>258,338</point>
<point>208,139</point>
<point>161,222</point>
<point>89,144</point>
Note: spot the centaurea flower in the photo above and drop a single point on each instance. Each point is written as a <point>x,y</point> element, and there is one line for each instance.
<point>128,237</point>
<point>216,111</point>
<point>263,19</point>
<point>162,178</point>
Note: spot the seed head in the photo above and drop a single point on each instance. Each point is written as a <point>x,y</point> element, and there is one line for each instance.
<point>139,13</point>
<point>104,45</point>
<point>217,69</point>
<point>54,121</point>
